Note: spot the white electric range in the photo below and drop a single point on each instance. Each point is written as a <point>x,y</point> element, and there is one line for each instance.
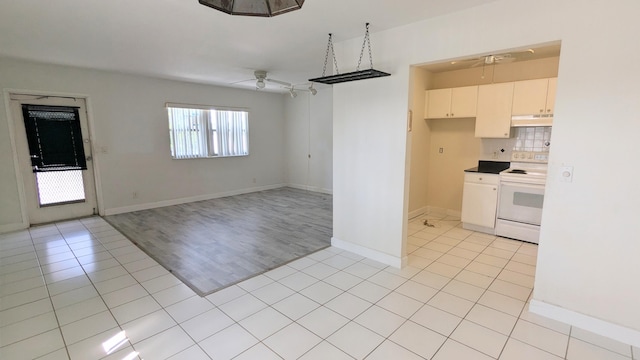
<point>521,196</point>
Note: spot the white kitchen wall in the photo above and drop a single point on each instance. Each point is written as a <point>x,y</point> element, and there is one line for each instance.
<point>308,131</point>
<point>588,248</point>
<point>130,124</point>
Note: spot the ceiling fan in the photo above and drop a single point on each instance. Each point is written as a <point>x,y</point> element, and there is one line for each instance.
<point>504,58</point>
<point>262,80</point>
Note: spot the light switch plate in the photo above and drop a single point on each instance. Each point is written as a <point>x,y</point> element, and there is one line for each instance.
<point>566,174</point>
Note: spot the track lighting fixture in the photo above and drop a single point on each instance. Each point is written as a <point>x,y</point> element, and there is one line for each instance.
<point>260,84</point>
<point>312,90</point>
<point>293,93</point>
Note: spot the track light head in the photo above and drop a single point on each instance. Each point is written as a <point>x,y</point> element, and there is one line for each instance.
<point>312,90</point>
<point>293,93</point>
<point>260,84</point>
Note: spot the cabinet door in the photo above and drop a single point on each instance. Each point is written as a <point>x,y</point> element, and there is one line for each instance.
<point>438,103</point>
<point>493,119</point>
<point>551,95</point>
<point>529,97</point>
<point>479,203</point>
<point>464,101</point>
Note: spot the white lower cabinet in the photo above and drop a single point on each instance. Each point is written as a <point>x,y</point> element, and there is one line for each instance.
<point>480,201</point>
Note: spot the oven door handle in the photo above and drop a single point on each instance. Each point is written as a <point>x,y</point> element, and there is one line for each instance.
<point>522,185</point>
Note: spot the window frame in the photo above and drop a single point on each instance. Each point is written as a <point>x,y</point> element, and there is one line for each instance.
<point>212,136</point>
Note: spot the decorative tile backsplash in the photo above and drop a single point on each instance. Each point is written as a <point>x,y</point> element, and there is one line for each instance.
<point>533,139</point>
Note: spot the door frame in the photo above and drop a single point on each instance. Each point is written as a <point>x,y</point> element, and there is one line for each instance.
<point>17,169</point>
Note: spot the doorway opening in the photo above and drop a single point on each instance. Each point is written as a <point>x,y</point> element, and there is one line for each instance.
<point>54,153</point>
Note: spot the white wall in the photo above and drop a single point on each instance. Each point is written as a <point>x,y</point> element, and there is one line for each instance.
<point>588,253</point>
<point>130,120</point>
<point>308,131</point>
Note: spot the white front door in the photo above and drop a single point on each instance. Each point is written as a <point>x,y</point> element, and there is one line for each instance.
<point>54,190</point>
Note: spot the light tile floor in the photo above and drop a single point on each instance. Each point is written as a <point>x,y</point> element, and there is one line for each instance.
<point>81,290</point>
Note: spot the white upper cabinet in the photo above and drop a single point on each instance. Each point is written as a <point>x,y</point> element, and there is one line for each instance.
<point>493,118</point>
<point>534,97</point>
<point>458,102</point>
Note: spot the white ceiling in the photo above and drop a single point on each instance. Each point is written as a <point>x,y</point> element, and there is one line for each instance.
<point>181,39</point>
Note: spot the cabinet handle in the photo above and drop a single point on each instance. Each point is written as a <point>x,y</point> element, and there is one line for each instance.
<point>548,110</point>
<point>494,189</point>
<point>480,179</point>
<point>451,114</point>
<point>541,110</point>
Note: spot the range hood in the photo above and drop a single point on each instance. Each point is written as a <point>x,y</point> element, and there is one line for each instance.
<point>532,120</point>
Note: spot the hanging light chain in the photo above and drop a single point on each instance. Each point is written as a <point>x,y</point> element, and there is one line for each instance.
<point>326,57</point>
<point>367,42</point>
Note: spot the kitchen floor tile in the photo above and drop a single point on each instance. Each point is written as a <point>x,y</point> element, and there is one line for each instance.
<point>416,291</point>
<point>492,319</point>
<point>255,283</point>
<point>135,309</point>
<point>418,339</point>
<point>225,295</point>
<point>544,321</point>
<point>451,304</point>
<point>320,270</point>
<point>355,340</point>
<point>242,307</point>
<point>343,280</point>
<point>455,350</point>
<point>296,306</point>
<point>517,350</point>
<point>400,304</point>
<point>390,350</point>
<point>81,310</point>
<point>123,296</point>
<point>265,323</point>
<point>323,321</point>
<point>463,290</point>
<point>206,324</point>
<point>228,343</point>
<point>174,294</point>
<point>272,293</point>
<point>33,347</point>
<point>348,305</point>
<point>437,320</point>
<point>321,292</point>
<point>187,309</point>
<point>502,303</point>
<point>292,341</point>
<point>540,337</point>
<point>379,320</point>
<point>298,281</point>
<point>258,351</point>
<point>192,353</point>
<point>148,325</point>
<point>387,280</point>
<point>581,350</point>
<point>25,329</point>
<point>164,344</point>
<point>87,327</point>
<point>601,341</point>
<point>324,351</point>
<point>510,289</point>
<point>369,291</point>
<point>431,279</point>
<point>480,338</point>
<point>26,311</point>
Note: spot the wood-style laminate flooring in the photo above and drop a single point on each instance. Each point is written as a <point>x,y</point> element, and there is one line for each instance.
<point>216,243</point>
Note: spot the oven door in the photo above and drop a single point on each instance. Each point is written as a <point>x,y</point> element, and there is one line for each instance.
<point>521,202</point>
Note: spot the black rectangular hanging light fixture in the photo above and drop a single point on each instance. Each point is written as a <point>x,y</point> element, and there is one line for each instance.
<point>264,8</point>
<point>350,76</point>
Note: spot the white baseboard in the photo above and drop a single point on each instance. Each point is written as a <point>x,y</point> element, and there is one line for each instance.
<point>369,253</point>
<point>13,227</point>
<point>147,206</point>
<point>448,212</point>
<point>586,322</point>
<point>311,188</point>
<point>418,212</point>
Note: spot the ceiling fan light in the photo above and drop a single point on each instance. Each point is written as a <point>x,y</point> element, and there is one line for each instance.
<point>264,8</point>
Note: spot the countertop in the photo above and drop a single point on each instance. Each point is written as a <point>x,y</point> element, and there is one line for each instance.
<point>490,167</point>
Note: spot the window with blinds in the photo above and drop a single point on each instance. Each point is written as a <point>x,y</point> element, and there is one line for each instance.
<point>206,132</point>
